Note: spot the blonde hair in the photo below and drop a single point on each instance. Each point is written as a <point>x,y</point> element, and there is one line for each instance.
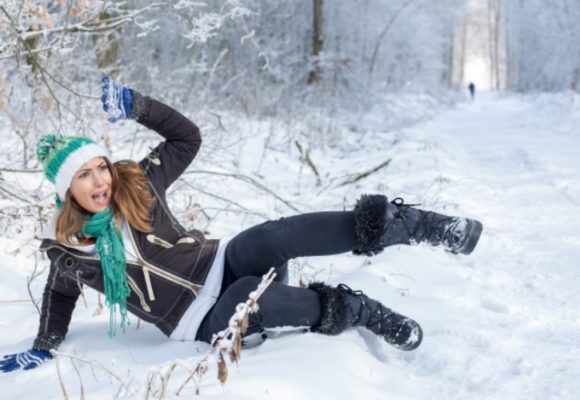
<point>131,199</point>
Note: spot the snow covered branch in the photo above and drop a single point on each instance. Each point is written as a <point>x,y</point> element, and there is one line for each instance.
<point>93,363</point>
<point>206,25</point>
<point>41,24</point>
<point>225,344</point>
<point>247,179</point>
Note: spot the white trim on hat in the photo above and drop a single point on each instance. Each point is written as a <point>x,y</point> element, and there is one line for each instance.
<point>72,164</point>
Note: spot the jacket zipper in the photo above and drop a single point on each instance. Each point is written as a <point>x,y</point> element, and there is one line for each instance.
<point>160,272</point>
<point>148,284</point>
<point>139,294</point>
<point>167,212</point>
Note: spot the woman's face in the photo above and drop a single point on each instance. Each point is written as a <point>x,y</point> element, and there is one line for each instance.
<point>91,185</point>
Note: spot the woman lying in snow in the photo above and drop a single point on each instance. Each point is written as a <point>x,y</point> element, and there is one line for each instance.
<point>115,233</point>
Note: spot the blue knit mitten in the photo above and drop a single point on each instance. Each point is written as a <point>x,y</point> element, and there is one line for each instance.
<point>28,360</point>
<point>117,100</point>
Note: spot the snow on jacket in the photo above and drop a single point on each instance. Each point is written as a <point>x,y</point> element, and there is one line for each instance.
<point>172,263</point>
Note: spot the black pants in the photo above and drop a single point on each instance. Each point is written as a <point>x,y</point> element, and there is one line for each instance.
<point>254,251</point>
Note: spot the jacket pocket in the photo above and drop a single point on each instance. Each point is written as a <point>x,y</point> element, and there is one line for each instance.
<point>151,238</point>
<point>77,270</point>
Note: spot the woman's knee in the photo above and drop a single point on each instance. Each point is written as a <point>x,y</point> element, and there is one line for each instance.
<point>256,250</point>
<point>239,291</point>
<point>257,237</point>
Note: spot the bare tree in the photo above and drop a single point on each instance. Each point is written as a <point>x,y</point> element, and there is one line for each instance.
<point>542,44</point>
<point>315,75</point>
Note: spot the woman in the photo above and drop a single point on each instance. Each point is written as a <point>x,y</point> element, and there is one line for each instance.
<point>114,232</point>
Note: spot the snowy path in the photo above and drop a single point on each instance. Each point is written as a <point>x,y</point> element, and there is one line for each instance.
<point>502,323</point>
<point>516,165</point>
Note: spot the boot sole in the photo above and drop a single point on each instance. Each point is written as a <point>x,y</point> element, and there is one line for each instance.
<point>415,343</point>
<point>474,229</point>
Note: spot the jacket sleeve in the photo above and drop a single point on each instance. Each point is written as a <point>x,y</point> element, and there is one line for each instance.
<point>58,302</point>
<point>182,141</point>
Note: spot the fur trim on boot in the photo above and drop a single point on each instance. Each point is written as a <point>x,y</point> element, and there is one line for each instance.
<point>333,318</point>
<point>369,217</point>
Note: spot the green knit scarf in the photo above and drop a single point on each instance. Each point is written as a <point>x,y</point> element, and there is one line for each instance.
<point>111,251</point>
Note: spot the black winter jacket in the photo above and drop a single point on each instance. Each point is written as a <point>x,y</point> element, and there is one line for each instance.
<point>172,263</point>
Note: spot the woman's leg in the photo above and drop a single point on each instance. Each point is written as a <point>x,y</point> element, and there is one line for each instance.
<point>280,305</point>
<point>271,244</point>
<point>322,308</point>
<point>374,224</point>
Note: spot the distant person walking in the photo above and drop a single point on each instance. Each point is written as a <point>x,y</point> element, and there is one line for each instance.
<point>471,88</point>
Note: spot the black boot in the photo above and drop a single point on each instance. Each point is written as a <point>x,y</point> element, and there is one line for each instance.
<point>343,308</point>
<point>380,224</point>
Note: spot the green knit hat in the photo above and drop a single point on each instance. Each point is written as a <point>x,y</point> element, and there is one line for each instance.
<point>62,156</point>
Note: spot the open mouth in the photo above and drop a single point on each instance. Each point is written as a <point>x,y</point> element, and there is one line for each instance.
<point>101,198</point>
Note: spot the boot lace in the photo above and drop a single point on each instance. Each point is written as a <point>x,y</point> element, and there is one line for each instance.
<point>377,314</point>
<point>413,232</point>
<point>436,232</point>
<point>380,320</point>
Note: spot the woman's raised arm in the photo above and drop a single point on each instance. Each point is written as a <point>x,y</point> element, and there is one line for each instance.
<point>182,137</point>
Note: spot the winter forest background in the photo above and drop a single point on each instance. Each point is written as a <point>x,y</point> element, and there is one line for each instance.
<point>304,105</point>
<point>276,57</point>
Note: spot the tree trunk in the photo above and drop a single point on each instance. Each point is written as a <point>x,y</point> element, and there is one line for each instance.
<point>449,57</point>
<point>315,75</point>
<point>496,42</point>
<point>490,47</point>
<point>463,39</point>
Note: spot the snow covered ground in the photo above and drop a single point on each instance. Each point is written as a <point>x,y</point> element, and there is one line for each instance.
<point>502,323</point>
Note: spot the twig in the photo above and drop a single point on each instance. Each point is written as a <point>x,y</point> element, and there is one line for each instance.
<point>213,69</point>
<point>305,155</point>
<point>251,35</point>
<point>19,301</point>
<point>29,280</point>
<point>220,210</point>
<point>366,174</point>
<point>90,26</point>
<point>92,363</point>
<point>386,30</point>
<point>80,379</point>
<point>3,189</point>
<point>100,308</point>
<point>26,53</point>
<point>219,120</point>
<point>246,179</point>
<point>226,200</point>
<point>23,171</point>
<point>81,290</point>
<point>60,380</point>
<point>230,339</point>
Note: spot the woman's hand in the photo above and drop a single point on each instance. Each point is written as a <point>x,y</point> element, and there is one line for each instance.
<point>117,100</point>
<point>28,360</point>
